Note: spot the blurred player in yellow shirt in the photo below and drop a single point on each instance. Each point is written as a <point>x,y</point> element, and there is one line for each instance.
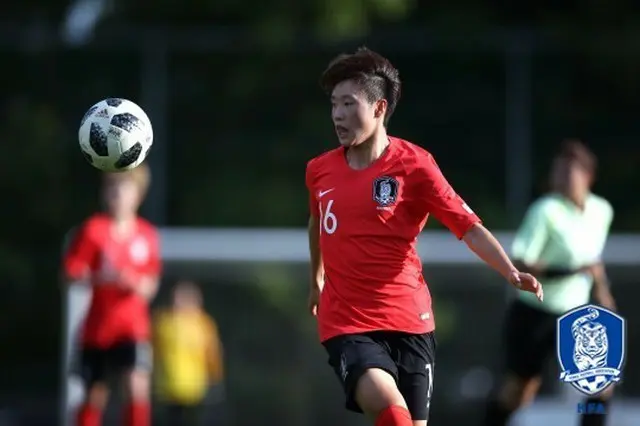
<point>189,357</point>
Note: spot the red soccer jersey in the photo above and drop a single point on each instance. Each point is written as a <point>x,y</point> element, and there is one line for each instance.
<point>369,223</point>
<point>115,314</point>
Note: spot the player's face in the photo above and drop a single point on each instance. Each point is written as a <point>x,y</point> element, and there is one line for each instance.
<point>355,119</point>
<point>570,176</point>
<point>185,296</point>
<point>122,196</point>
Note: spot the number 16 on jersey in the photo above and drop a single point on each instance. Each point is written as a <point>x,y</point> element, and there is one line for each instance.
<point>328,220</point>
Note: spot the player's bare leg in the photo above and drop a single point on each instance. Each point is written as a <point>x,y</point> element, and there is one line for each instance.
<point>90,414</point>
<point>378,396</point>
<point>598,419</point>
<point>137,384</point>
<point>517,392</point>
<point>514,393</point>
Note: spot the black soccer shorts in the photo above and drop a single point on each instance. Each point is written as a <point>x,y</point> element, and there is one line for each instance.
<point>100,364</point>
<point>409,358</point>
<point>529,338</point>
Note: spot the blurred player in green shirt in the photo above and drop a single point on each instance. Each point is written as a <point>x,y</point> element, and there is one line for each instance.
<point>560,241</point>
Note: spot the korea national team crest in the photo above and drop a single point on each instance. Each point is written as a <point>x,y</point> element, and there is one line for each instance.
<point>139,251</point>
<point>385,191</point>
<point>591,348</point>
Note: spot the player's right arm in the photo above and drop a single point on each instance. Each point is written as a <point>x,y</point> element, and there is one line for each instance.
<point>316,278</point>
<point>80,256</point>
<point>317,270</point>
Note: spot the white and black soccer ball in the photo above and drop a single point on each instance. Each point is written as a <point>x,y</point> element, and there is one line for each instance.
<point>115,135</point>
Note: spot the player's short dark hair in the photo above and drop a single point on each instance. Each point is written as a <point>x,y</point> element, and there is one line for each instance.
<point>575,150</point>
<point>377,76</point>
<point>187,286</point>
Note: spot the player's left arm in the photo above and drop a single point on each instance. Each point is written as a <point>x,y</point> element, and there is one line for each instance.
<point>146,281</point>
<point>148,286</point>
<point>214,351</point>
<point>601,290</point>
<point>451,210</point>
<point>482,242</point>
<point>150,280</point>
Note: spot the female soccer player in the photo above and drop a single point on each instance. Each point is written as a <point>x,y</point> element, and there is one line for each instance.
<point>118,254</point>
<point>369,200</point>
<point>560,240</point>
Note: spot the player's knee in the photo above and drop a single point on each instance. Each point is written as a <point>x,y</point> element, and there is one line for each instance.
<point>419,423</point>
<point>517,392</point>
<point>603,396</point>
<point>377,390</point>
<point>97,395</point>
<point>137,384</point>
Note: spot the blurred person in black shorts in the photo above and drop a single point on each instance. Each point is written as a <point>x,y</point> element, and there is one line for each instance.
<point>117,253</point>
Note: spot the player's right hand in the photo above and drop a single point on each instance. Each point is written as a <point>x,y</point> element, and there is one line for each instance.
<point>314,299</point>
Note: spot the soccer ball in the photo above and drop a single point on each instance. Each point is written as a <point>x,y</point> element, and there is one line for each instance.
<point>115,135</point>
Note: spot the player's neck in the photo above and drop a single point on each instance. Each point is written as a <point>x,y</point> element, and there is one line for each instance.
<point>187,310</point>
<point>577,198</point>
<point>123,226</point>
<point>363,155</point>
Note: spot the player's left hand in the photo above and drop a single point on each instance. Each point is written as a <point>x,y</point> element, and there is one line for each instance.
<point>601,287</point>
<point>527,282</point>
<point>127,280</point>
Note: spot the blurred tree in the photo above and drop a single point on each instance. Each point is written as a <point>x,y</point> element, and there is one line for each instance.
<point>275,21</point>
<point>577,14</point>
<point>35,182</point>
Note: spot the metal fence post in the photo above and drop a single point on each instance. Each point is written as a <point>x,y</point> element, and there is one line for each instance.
<point>154,94</point>
<point>518,126</point>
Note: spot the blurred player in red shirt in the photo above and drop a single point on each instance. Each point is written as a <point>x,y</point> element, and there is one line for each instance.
<point>118,254</point>
<point>369,200</point>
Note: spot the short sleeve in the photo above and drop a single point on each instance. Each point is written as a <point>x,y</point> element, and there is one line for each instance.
<point>154,264</point>
<point>532,235</point>
<point>313,201</point>
<point>607,220</point>
<point>81,254</point>
<point>158,323</point>
<point>443,202</point>
<point>609,215</point>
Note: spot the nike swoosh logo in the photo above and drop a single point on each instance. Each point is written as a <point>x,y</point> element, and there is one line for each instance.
<point>323,193</point>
